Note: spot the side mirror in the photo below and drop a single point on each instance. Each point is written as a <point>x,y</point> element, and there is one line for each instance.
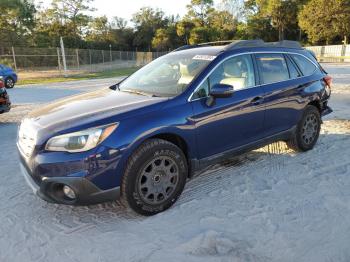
<point>221,91</point>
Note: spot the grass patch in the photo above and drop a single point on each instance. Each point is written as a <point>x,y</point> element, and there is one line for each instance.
<point>85,76</point>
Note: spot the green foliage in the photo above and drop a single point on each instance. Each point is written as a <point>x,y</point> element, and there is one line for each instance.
<point>257,28</point>
<point>15,31</point>
<point>324,20</point>
<point>320,20</point>
<point>199,12</point>
<point>281,13</point>
<point>7,62</point>
<point>147,21</point>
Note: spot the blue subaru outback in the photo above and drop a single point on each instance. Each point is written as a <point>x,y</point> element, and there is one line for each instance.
<point>142,138</point>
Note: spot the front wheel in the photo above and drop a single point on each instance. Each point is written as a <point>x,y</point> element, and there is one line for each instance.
<point>308,130</point>
<point>154,177</point>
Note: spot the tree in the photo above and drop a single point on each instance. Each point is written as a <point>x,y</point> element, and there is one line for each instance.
<point>257,28</point>
<point>324,20</point>
<point>73,11</point>
<point>17,21</point>
<point>183,30</point>
<point>166,38</point>
<point>199,11</point>
<point>235,7</point>
<point>224,24</point>
<point>147,21</point>
<point>282,13</point>
<point>203,23</point>
<point>100,32</point>
<point>66,18</point>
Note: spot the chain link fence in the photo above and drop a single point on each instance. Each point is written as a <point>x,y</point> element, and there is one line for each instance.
<point>24,59</point>
<point>33,62</point>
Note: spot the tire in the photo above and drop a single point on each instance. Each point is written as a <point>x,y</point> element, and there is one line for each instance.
<point>154,178</point>
<point>307,132</point>
<point>9,83</point>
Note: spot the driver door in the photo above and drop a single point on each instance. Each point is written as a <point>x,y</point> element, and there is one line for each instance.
<point>230,122</point>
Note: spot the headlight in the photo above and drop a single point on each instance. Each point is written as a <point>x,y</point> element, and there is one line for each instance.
<point>80,141</point>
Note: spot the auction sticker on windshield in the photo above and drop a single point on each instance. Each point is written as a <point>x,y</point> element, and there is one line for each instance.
<point>204,57</point>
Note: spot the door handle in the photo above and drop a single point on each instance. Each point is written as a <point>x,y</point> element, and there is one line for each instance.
<point>257,100</point>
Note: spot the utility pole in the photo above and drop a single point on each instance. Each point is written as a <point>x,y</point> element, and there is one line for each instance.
<point>63,57</point>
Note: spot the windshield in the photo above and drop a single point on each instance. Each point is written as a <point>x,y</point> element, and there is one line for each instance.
<point>168,75</point>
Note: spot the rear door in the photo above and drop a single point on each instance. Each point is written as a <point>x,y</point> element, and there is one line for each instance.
<point>281,81</point>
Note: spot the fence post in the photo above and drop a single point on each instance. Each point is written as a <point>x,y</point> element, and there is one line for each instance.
<point>90,58</point>
<point>110,56</point>
<point>323,48</point>
<point>59,60</point>
<point>14,58</point>
<point>103,57</point>
<point>77,54</point>
<point>63,58</point>
<point>343,52</point>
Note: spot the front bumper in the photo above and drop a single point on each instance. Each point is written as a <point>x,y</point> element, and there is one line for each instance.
<point>5,108</point>
<point>50,189</point>
<point>326,110</point>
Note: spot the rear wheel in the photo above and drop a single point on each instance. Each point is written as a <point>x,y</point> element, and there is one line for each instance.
<point>308,130</point>
<point>154,178</point>
<point>9,82</point>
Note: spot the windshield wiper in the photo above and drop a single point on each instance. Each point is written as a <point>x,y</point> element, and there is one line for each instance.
<point>138,92</point>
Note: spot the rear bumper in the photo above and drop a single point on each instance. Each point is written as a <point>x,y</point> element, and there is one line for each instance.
<point>50,189</point>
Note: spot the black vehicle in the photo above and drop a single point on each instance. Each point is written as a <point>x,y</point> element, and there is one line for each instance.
<point>5,104</point>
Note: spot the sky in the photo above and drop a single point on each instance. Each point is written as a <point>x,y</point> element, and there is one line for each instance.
<point>125,8</point>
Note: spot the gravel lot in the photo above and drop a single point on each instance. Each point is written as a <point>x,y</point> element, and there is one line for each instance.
<point>268,205</point>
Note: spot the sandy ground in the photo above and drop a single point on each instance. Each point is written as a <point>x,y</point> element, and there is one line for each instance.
<point>268,205</point>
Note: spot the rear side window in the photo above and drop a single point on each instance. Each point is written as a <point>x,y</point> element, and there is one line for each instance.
<point>293,71</point>
<point>273,68</point>
<point>305,66</point>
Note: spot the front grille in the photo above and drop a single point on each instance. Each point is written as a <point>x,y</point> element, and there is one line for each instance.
<point>26,138</point>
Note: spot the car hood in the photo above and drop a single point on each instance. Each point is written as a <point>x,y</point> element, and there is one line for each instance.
<point>89,107</point>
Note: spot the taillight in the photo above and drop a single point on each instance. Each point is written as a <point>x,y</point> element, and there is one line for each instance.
<point>1,84</point>
<point>328,80</point>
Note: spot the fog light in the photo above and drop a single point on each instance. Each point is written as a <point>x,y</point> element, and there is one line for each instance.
<point>68,192</point>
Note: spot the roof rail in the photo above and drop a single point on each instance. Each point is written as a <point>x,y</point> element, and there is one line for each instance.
<point>217,42</point>
<point>184,47</point>
<point>261,43</point>
<point>235,44</point>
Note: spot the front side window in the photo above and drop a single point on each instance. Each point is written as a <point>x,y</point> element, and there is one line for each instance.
<point>237,71</point>
<point>272,67</point>
<point>305,66</point>
<point>167,76</point>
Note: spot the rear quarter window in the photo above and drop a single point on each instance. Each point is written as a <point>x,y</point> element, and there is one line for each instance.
<point>305,65</point>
